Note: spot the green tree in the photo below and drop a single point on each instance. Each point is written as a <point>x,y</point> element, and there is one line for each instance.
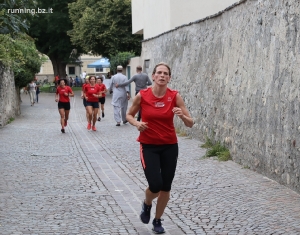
<point>50,32</point>
<point>31,60</point>
<point>121,58</point>
<point>17,49</point>
<point>20,54</point>
<point>11,23</point>
<point>103,27</point>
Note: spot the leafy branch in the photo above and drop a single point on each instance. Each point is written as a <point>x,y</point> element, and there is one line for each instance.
<point>121,58</point>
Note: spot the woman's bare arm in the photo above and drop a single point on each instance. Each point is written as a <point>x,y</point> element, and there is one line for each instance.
<point>182,112</point>
<point>135,107</point>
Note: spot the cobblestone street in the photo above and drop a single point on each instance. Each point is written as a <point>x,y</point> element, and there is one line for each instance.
<point>86,182</point>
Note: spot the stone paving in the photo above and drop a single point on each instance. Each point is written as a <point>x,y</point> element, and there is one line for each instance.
<point>85,182</point>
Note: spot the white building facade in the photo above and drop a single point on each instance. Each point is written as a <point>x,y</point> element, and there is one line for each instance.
<point>153,17</point>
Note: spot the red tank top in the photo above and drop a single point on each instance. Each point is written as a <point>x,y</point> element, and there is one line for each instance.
<point>102,88</point>
<point>159,115</point>
<point>61,91</point>
<point>90,91</point>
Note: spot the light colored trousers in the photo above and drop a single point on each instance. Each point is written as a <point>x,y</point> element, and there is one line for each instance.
<point>120,113</point>
<point>32,96</point>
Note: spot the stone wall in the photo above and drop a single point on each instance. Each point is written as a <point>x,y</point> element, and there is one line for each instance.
<point>238,72</point>
<point>9,96</point>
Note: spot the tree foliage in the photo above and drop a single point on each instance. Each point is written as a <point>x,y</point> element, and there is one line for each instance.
<point>9,56</point>
<point>17,49</point>
<point>103,27</point>
<point>14,23</point>
<point>121,58</point>
<point>32,61</point>
<point>20,54</point>
<point>50,33</point>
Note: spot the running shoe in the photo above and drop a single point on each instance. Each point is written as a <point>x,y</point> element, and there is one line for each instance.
<point>125,122</point>
<point>89,126</point>
<point>99,119</point>
<point>66,122</point>
<point>102,115</point>
<point>63,130</point>
<point>94,128</point>
<point>145,213</point>
<point>157,228</point>
<point>118,124</point>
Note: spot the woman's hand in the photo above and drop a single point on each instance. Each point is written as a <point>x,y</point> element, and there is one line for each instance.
<point>142,126</point>
<point>178,112</point>
<point>56,99</point>
<point>181,111</point>
<point>66,94</point>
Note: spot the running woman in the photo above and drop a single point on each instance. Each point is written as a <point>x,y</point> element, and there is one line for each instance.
<point>103,90</point>
<point>82,96</point>
<point>63,92</point>
<point>158,140</point>
<point>92,94</point>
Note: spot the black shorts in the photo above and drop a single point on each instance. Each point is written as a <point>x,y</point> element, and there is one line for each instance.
<point>95,105</point>
<point>159,164</point>
<point>84,102</point>
<point>102,100</point>
<point>64,105</point>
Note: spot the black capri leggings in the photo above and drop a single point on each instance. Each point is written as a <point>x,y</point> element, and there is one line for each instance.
<point>159,164</point>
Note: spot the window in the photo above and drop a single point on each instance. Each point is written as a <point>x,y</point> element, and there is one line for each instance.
<point>99,70</point>
<point>72,70</point>
<point>146,66</point>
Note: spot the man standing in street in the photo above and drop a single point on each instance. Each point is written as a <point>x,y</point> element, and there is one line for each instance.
<point>120,96</point>
<point>141,82</point>
<point>76,81</point>
<point>83,76</point>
